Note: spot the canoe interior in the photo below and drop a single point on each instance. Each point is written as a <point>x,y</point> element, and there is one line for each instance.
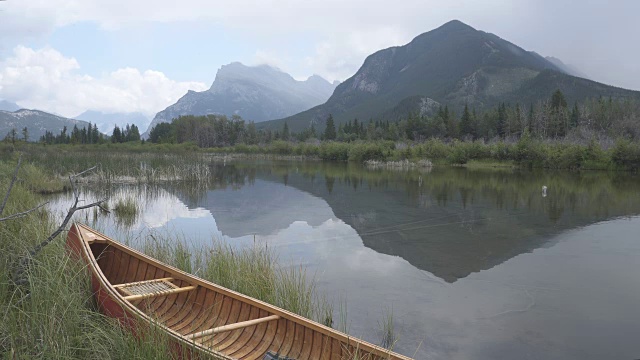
<point>205,307</point>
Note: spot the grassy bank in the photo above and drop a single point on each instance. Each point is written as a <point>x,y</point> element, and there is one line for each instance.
<point>624,155</point>
<point>58,319</point>
<point>526,152</point>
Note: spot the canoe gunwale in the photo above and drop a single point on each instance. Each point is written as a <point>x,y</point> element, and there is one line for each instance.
<point>191,280</point>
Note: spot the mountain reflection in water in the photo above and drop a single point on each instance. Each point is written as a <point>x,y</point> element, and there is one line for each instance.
<point>475,263</point>
<point>450,222</point>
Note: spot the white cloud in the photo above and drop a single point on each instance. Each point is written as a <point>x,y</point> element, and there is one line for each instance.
<point>343,32</point>
<point>341,56</point>
<point>270,58</point>
<point>47,80</point>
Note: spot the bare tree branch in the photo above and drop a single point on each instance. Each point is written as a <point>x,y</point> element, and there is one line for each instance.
<point>24,213</point>
<point>13,180</point>
<point>20,277</point>
<point>85,171</point>
<point>97,203</point>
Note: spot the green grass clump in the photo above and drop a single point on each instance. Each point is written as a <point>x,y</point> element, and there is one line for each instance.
<point>126,211</point>
<point>253,271</point>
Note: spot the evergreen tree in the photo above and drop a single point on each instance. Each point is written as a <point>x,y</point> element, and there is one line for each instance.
<point>312,131</point>
<point>330,130</point>
<point>95,134</point>
<point>502,120</point>
<point>252,134</point>
<point>557,100</point>
<point>83,136</point>
<point>575,116</point>
<point>116,136</point>
<point>530,119</point>
<point>25,134</point>
<point>559,118</point>
<point>162,133</point>
<point>285,132</point>
<point>134,133</point>
<point>466,123</point>
<point>11,135</point>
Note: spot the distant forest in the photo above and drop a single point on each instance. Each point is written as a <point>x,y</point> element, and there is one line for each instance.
<point>550,119</point>
<point>602,120</point>
<point>91,135</point>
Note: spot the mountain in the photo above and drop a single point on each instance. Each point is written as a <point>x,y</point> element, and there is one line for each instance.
<point>256,93</point>
<point>37,122</point>
<point>452,65</point>
<point>107,121</point>
<point>8,106</point>
<point>566,68</point>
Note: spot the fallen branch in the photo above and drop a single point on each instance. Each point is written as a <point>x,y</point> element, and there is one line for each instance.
<point>24,263</point>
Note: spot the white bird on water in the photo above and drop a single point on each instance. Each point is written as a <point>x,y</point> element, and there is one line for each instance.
<point>544,191</point>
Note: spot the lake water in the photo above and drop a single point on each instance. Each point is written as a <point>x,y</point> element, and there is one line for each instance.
<point>473,263</point>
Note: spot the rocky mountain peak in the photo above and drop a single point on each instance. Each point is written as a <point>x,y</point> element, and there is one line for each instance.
<point>256,93</point>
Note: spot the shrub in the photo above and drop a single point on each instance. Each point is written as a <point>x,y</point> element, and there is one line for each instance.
<point>281,147</point>
<point>362,152</point>
<point>334,151</point>
<point>433,149</point>
<point>626,154</point>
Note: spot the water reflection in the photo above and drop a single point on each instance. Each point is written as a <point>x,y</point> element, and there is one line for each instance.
<point>450,222</point>
<point>475,263</point>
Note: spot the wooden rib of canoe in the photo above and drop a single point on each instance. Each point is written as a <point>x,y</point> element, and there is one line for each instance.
<point>201,317</point>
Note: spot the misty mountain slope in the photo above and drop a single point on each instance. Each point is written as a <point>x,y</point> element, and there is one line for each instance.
<point>37,122</point>
<point>255,93</point>
<point>567,68</point>
<point>453,65</point>
<point>107,121</point>
<point>8,106</point>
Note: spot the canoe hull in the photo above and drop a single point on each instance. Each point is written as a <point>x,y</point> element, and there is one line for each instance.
<point>201,318</point>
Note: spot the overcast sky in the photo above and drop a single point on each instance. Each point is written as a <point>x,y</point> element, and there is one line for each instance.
<point>67,56</point>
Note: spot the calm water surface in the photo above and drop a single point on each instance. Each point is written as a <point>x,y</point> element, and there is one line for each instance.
<point>474,264</point>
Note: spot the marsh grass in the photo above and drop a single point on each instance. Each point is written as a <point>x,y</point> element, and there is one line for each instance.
<point>253,270</point>
<point>126,211</point>
<point>119,166</point>
<point>388,336</point>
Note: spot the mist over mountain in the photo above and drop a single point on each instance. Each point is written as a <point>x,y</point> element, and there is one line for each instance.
<point>9,106</point>
<point>37,123</point>
<point>256,93</point>
<point>566,68</point>
<point>452,65</point>
<point>107,121</point>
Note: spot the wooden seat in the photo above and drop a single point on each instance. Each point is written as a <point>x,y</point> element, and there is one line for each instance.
<point>234,326</point>
<point>150,288</point>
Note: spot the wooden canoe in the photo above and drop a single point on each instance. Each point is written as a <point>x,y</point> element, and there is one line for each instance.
<point>200,317</point>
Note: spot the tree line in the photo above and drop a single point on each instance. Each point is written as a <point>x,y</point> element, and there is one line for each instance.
<point>549,119</point>
<point>91,135</point>
<point>553,118</point>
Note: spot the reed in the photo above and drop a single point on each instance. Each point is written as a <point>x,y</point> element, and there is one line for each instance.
<point>126,211</point>
<point>388,336</point>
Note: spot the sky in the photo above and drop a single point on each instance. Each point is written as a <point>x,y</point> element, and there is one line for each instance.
<point>68,56</point>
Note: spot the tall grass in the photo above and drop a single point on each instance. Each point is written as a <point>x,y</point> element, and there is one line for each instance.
<point>388,336</point>
<point>58,319</point>
<point>253,271</point>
